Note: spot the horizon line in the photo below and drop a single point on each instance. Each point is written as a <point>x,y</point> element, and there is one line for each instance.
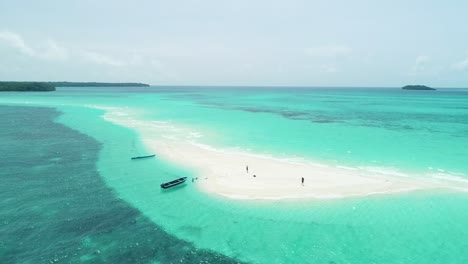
<point>243,86</point>
<point>292,86</point>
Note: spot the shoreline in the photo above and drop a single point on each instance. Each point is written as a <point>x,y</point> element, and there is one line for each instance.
<point>223,172</point>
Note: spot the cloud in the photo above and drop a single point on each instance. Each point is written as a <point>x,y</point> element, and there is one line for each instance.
<point>16,41</point>
<point>50,51</point>
<point>98,58</point>
<point>420,64</point>
<point>461,65</point>
<point>18,55</point>
<point>328,51</point>
<point>55,52</point>
<point>422,59</point>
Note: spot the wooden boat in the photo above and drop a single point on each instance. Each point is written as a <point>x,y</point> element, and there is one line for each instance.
<point>173,183</point>
<point>143,157</point>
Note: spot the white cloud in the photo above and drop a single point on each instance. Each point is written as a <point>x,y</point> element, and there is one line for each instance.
<point>328,51</point>
<point>98,58</point>
<point>54,51</point>
<point>19,54</point>
<point>16,41</point>
<point>50,51</point>
<point>461,65</point>
<point>420,65</point>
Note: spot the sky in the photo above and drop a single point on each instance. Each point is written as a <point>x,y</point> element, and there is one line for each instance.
<point>360,43</point>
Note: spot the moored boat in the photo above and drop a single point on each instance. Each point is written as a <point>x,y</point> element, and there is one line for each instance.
<point>143,157</point>
<point>173,183</point>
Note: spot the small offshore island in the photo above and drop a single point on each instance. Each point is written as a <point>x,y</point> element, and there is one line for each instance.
<point>50,86</point>
<point>418,88</point>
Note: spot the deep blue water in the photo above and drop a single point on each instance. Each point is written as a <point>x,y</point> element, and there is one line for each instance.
<point>55,208</point>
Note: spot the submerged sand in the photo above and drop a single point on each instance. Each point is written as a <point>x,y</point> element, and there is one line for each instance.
<point>224,172</point>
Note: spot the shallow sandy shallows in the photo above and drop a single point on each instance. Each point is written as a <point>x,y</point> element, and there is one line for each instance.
<point>223,172</point>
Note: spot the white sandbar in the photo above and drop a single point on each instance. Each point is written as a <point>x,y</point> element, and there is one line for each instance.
<point>224,172</point>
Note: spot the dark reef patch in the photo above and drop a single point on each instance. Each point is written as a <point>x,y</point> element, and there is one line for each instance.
<point>55,208</point>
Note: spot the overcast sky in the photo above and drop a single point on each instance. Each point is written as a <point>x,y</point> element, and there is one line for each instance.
<point>238,42</point>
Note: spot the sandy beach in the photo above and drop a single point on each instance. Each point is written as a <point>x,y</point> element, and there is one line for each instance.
<point>224,172</point>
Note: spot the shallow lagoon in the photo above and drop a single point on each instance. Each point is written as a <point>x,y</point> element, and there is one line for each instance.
<point>350,127</point>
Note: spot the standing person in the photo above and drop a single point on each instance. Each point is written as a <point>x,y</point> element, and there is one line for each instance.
<point>247,168</point>
<point>302,181</point>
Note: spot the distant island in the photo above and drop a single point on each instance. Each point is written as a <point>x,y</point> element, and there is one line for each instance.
<point>26,87</point>
<point>50,86</point>
<point>97,84</point>
<point>417,87</point>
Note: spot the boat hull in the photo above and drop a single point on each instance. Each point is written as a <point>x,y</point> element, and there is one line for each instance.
<point>173,183</point>
<point>143,157</point>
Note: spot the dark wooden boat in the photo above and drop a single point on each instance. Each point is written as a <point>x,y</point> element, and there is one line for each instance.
<point>143,157</point>
<point>173,183</point>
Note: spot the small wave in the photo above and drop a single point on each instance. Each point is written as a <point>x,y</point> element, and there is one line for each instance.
<point>346,167</point>
<point>285,197</point>
<point>195,135</point>
<point>449,177</point>
<point>159,122</point>
<point>169,137</point>
<point>384,170</point>
<point>317,196</point>
<point>120,114</point>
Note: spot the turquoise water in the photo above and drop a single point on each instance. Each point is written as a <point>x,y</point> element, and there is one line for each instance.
<point>55,208</point>
<point>415,133</point>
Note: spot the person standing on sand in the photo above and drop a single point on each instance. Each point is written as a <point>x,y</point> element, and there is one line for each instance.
<point>247,168</point>
<point>302,181</point>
